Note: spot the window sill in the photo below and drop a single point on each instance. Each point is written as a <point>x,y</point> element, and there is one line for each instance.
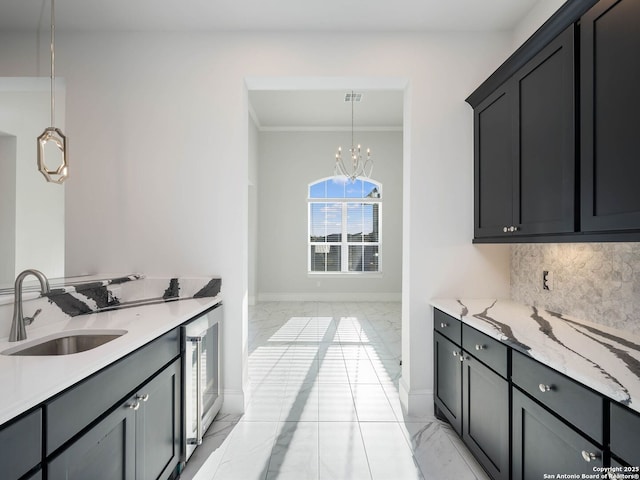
<point>345,274</point>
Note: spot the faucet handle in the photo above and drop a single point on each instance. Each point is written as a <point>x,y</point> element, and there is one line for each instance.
<point>29,320</point>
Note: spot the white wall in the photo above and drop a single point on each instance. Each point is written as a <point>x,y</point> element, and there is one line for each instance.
<point>539,14</point>
<point>38,229</point>
<point>253,212</point>
<point>7,208</point>
<point>289,161</point>
<point>158,126</point>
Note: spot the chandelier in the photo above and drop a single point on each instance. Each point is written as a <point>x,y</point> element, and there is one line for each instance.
<point>52,144</point>
<point>359,166</point>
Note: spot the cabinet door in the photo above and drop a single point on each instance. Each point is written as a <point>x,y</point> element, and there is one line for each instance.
<point>610,137</point>
<point>21,445</point>
<point>544,188</point>
<point>448,380</point>
<point>493,164</point>
<point>542,444</point>
<point>106,452</point>
<point>486,416</point>
<point>158,425</point>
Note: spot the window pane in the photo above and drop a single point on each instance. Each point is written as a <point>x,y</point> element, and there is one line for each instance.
<point>363,222</point>
<point>370,190</point>
<point>325,222</point>
<point>335,187</point>
<point>354,190</point>
<point>363,258</point>
<point>321,261</point>
<point>318,190</point>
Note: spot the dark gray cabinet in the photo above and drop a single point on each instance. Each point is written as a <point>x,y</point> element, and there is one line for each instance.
<point>524,154</point>
<point>106,452</point>
<point>158,425</point>
<point>472,397</point>
<point>485,401</point>
<point>573,83</point>
<point>139,439</point>
<point>543,444</point>
<point>448,381</point>
<point>609,76</point>
<point>494,164</point>
<point>522,419</point>
<point>21,445</point>
<point>625,433</point>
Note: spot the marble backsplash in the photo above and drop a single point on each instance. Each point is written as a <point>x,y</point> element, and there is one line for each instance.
<point>599,282</point>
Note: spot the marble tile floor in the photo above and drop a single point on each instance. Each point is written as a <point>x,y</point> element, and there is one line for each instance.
<point>324,404</point>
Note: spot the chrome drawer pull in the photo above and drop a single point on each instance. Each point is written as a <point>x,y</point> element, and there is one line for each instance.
<point>459,355</point>
<point>545,388</point>
<point>143,398</point>
<point>481,347</point>
<point>455,354</point>
<point>589,456</point>
<point>444,325</point>
<point>134,406</point>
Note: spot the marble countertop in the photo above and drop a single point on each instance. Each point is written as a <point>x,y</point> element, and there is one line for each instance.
<point>29,380</point>
<point>603,358</point>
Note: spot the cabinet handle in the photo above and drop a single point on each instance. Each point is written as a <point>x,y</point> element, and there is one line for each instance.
<point>589,456</point>
<point>459,355</point>
<point>505,229</point>
<point>545,388</point>
<point>515,228</point>
<point>481,347</point>
<point>444,325</point>
<point>143,398</point>
<point>134,406</point>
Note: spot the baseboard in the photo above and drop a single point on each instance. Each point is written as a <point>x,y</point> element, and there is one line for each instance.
<point>330,297</point>
<point>234,402</point>
<point>416,403</point>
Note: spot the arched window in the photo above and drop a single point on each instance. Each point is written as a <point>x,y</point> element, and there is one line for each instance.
<point>344,226</point>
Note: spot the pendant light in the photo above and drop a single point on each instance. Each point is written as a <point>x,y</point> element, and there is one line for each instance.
<point>360,167</point>
<point>52,144</point>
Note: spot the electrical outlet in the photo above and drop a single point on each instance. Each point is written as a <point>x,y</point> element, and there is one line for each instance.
<point>547,280</point>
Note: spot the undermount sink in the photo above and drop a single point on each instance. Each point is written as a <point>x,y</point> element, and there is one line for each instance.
<point>66,343</point>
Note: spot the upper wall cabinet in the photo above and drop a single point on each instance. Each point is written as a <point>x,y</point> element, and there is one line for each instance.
<point>531,183</point>
<point>610,104</point>
<point>525,148</point>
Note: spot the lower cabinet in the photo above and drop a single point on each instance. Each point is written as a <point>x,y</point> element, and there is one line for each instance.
<point>106,452</point>
<point>485,401</point>
<point>21,445</point>
<point>474,399</point>
<point>542,444</point>
<point>139,440</point>
<point>448,381</point>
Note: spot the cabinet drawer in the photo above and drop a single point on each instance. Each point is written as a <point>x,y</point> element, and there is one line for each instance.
<point>486,349</point>
<point>21,442</point>
<point>83,403</point>
<point>570,400</point>
<point>625,433</point>
<point>447,325</point>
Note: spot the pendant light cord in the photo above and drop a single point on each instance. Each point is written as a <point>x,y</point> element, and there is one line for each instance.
<point>53,85</point>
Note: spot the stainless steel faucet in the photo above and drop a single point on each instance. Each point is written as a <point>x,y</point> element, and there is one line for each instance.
<point>18,332</point>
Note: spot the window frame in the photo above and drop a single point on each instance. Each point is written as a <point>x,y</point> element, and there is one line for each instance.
<point>344,243</point>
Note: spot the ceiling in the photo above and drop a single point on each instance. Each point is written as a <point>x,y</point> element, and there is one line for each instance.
<point>261,15</point>
<point>279,109</point>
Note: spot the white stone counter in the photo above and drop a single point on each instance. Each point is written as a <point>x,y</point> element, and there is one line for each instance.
<point>29,380</point>
<point>601,357</point>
